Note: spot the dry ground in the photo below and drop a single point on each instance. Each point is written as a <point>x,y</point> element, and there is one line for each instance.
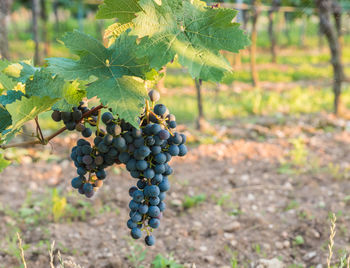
<point>251,195</point>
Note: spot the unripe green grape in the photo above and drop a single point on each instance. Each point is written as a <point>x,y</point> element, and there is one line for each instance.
<point>154,95</point>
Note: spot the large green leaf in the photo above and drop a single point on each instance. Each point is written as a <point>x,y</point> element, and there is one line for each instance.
<point>7,82</point>
<point>125,95</point>
<point>123,10</point>
<point>26,109</point>
<point>115,64</point>
<point>97,60</point>
<point>3,64</point>
<point>191,30</point>
<point>27,71</point>
<point>5,119</point>
<point>44,84</point>
<point>73,93</point>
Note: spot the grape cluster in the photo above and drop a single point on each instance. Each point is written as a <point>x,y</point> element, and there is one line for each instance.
<point>149,151</point>
<point>145,151</point>
<point>73,120</point>
<point>90,168</point>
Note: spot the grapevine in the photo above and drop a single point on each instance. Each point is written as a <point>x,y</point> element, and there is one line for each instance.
<point>128,127</point>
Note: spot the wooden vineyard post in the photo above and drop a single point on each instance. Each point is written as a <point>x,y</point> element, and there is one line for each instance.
<point>325,9</point>
<point>254,36</point>
<point>272,33</point>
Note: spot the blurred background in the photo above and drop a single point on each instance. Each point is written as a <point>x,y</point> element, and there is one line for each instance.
<point>269,165</point>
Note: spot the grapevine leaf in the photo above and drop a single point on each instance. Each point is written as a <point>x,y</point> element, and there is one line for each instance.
<point>5,119</point>
<point>11,96</point>
<point>126,96</point>
<point>3,163</point>
<point>115,30</point>
<point>3,64</point>
<point>27,109</point>
<point>114,69</point>
<point>191,30</point>
<point>96,60</point>
<point>43,84</point>
<point>7,135</point>
<point>7,82</point>
<point>123,10</point>
<point>27,71</point>
<point>13,70</point>
<point>73,93</point>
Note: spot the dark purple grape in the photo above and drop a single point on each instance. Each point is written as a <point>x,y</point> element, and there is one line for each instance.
<point>56,116</point>
<point>87,160</point>
<point>87,132</point>
<point>107,118</point>
<point>160,109</point>
<point>77,115</point>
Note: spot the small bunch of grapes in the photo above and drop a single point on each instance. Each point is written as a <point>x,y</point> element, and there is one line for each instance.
<point>74,120</point>
<point>90,168</point>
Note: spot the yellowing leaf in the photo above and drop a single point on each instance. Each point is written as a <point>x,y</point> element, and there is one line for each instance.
<point>114,30</point>
<point>13,70</point>
<point>26,109</point>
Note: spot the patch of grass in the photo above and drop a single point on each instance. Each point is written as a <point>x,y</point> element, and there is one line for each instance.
<point>288,74</point>
<point>192,201</point>
<point>293,204</point>
<point>299,153</point>
<point>51,206</point>
<point>257,248</point>
<point>137,254</point>
<point>286,168</point>
<point>233,257</point>
<point>298,240</point>
<point>227,104</point>
<point>236,211</point>
<point>11,246</point>
<point>337,172</point>
<point>161,261</point>
<point>222,200</point>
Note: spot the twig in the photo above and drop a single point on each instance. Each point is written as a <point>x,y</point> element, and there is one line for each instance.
<point>98,122</point>
<point>331,240</point>
<point>47,139</point>
<point>51,254</point>
<point>22,251</point>
<point>38,129</point>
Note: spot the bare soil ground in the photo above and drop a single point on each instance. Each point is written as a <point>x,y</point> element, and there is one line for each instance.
<point>261,202</point>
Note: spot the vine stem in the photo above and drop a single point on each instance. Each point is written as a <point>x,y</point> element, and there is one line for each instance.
<point>49,138</point>
<point>98,122</point>
<point>38,129</point>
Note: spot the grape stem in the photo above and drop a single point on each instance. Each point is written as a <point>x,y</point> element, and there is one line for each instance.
<point>38,131</point>
<point>147,111</point>
<point>45,141</point>
<point>98,122</point>
<point>162,122</point>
